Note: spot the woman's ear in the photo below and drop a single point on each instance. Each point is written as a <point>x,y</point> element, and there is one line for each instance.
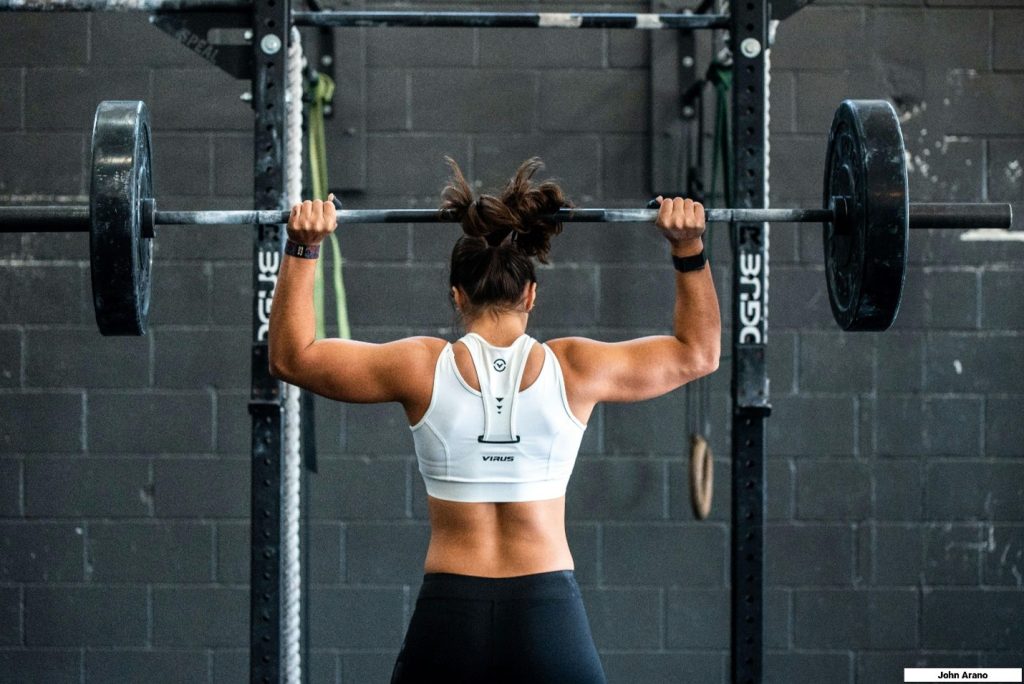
<point>457,298</point>
<point>531,296</point>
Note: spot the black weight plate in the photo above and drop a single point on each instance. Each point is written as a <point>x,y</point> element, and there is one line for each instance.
<point>121,256</point>
<point>866,247</point>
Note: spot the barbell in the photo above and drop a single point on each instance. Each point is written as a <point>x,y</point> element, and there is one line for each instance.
<point>866,216</point>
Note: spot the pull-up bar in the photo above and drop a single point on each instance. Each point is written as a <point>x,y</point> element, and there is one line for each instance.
<point>332,18</point>
<point>597,20</point>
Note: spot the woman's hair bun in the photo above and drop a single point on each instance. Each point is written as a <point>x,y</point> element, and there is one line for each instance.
<point>517,216</point>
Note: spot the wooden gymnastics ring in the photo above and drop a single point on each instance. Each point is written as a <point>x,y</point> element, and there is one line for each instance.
<point>702,476</point>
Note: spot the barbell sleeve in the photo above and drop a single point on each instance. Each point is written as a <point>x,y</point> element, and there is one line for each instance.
<point>71,218</point>
<point>956,215</point>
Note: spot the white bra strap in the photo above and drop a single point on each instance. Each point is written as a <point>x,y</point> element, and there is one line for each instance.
<point>500,373</point>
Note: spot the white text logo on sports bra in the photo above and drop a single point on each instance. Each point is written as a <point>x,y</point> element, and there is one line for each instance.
<point>500,365</point>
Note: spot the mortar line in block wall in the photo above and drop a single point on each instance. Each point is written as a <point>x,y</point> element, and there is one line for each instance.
<point>149,616</point>
<point>22,355</point>
<point>215,411</point>
<point>84,429</point>
<point>82,530</point>
<point>983,417</point>
<point>211,166</point>
<point>666,490</point>
<point>991,43</point>
<point>856,428</point>
<point>214,558</point>
<point>408,100</point>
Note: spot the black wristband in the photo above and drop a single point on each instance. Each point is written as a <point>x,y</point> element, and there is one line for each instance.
<point>294,249</point>
<point>690,263</point>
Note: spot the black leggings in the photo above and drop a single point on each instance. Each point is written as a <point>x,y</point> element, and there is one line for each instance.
<point>531,628</point>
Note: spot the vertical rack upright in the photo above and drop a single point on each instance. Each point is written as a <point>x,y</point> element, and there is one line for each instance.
<point>270,37</point>
<point>751,406</point>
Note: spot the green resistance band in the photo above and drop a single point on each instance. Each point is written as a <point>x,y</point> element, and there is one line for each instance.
<point>322,92</point>
<point>720,75</point>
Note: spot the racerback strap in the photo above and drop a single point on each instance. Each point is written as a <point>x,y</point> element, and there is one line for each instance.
<point>500,372</point>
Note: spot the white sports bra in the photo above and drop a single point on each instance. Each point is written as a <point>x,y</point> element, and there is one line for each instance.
<point>497,444</point>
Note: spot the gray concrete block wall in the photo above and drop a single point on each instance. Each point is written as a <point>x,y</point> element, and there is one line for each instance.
<point>895,478</point>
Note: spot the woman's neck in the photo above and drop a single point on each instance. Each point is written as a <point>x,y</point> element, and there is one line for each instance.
<point>500,330</point>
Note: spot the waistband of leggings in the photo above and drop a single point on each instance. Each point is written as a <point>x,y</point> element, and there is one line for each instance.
<point>558,584</point>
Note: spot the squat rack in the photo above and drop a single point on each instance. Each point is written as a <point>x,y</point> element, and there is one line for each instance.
<point>263,62</point>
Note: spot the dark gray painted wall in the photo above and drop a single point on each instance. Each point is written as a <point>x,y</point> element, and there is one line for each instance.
<point>896,480</point>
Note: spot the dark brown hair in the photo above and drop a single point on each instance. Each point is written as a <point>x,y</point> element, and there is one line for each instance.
<point>492,263</point>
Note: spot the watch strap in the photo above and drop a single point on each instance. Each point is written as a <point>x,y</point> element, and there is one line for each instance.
<point>695,262</point>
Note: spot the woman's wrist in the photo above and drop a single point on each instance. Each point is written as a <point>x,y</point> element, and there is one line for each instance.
<point>687,248</point>
<point>310,239</point>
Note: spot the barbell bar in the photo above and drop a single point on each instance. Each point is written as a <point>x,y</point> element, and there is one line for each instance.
<point>866,216</point>
<point>75,218</point>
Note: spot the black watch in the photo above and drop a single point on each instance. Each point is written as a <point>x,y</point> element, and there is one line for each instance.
<point>690,263</point>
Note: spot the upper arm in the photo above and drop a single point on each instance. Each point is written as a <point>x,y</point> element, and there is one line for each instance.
<point>364,372</point>
<point>632,370</point>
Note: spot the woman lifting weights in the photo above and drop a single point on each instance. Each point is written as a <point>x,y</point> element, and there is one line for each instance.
<point>497,419</point>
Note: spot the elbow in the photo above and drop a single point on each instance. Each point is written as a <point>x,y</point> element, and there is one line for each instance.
<point>280,365</point>
<point>710,352</point>
<point>288,364</point>
<point>700,354</point>
<point>713,354</point>
<point>278,370</point>
<point>702,360</point>
<point>711,362</point>
<point>693,364</point>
